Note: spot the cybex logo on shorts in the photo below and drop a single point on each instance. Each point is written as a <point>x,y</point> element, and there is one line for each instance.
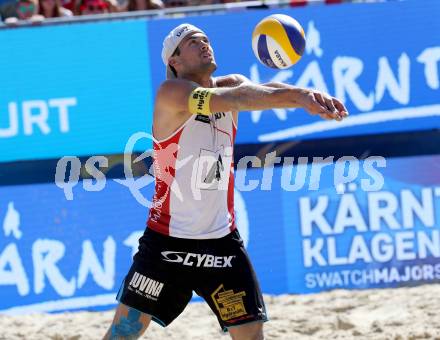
<point>197,260</point>
<point>146,286</point>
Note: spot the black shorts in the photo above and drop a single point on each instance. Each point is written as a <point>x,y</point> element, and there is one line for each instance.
<point>166,270</point>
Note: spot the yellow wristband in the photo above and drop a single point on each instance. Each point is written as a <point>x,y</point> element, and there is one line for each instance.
<point>198,101</point>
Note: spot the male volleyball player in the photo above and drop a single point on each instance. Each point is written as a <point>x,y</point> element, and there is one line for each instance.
<point>191,242</point>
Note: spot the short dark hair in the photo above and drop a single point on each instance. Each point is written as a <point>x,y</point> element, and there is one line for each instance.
<point>176,52</point>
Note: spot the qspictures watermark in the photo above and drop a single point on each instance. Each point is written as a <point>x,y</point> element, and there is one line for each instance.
<point>211,170</point>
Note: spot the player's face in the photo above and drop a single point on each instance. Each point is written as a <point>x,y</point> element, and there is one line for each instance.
<point>196,53</point>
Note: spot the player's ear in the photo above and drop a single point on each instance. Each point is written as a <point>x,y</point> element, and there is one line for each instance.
<point>173,61</point>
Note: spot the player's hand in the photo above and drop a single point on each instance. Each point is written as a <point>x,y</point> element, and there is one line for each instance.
<point>324,105</point>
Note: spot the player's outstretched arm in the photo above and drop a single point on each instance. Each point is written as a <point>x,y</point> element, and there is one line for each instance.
<point>248,96</point>
<point>187,97</point>
<point>331,103</point>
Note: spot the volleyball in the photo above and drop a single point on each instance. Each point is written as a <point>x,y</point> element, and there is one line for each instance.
<point>278,41</point>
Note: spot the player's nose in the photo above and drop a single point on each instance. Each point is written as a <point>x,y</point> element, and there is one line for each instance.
<point>204,45</point>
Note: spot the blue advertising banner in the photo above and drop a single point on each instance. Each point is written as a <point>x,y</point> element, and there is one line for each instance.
<point>351,237</point>
<point>385,71</point>
<point>74,89</point>
<point>328,224</point>
<point>59,254</point>
<point>83,89</point>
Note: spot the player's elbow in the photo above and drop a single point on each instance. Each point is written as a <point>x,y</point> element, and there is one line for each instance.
<point>240,79</point>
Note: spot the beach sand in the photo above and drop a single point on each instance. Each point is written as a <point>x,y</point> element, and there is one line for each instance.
<point>396,314</point>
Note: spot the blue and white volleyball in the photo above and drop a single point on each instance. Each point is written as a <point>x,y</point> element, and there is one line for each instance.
<point>278,41</point>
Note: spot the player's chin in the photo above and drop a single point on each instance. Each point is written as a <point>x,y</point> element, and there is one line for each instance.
<point>211,65</point>
<point>210,60</point>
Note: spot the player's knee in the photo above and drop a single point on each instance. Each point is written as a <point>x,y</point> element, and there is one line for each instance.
<point>257,334</point>
<point>252,331</point>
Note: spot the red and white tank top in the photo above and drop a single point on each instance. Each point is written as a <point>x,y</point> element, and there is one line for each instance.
<point>194,172</point>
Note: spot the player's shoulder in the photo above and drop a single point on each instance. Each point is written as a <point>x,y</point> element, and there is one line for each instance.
<point>172,96</point>
<point>174,89</point>
<point>171,85</point>
<point>232,80</point>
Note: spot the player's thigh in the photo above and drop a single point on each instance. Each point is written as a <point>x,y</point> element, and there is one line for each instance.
<point>230,286</point>
<point>127,323</point>
<point>155,286</point>
<point>249,331</point>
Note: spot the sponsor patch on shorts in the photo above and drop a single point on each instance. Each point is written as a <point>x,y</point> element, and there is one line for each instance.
<point>229,304</point>
<point>144,286</point>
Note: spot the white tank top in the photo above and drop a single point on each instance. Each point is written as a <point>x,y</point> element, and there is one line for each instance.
<point>194,171</point>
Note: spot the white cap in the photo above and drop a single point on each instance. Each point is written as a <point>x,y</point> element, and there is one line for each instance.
<point>173,39</point>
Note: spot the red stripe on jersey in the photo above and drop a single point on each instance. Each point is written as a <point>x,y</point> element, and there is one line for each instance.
<point>231,184</point>
<point>165,156</point>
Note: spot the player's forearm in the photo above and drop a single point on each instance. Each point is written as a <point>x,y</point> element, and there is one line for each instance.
<point>279,85</point>
<point>258,97</point>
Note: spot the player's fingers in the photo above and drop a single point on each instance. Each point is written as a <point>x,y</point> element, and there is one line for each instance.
<point>331,108</point>
<point>312,105</point>
<point>340,107</point>
<point>327,106</point>
<point>325,116</point>
<point>319,98</point>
